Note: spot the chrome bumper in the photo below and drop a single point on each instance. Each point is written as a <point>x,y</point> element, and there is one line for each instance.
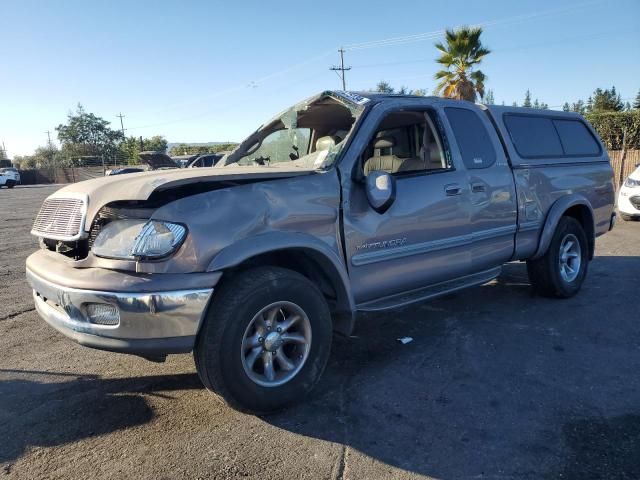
<point>150,323</point>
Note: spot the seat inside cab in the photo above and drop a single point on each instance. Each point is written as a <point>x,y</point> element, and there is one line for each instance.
<point>405,142</point>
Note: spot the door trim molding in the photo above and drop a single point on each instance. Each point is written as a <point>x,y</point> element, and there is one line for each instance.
<point>422,248</point>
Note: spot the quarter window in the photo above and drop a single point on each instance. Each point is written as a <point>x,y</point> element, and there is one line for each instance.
<point>473,139</point>
<point>533,136</point>
<point>576,138</point>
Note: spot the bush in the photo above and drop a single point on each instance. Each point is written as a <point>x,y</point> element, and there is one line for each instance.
<point>611,127</point>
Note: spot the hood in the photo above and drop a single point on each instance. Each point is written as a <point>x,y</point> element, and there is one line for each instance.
<point>139,186</point>
<point>157,160</point>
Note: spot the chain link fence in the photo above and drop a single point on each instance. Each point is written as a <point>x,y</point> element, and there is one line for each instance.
<point>623,163</point>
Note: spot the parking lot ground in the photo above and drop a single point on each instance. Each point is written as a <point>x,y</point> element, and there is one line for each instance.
<point>496,384</point>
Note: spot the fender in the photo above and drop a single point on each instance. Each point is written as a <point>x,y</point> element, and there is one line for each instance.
<point>556,212</point>
<point>244,249</point>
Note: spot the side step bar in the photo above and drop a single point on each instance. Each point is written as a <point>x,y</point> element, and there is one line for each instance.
<point>427,293</point>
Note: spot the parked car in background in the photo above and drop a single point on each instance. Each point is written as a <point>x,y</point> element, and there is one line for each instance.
<point>11,173</point>
<point>6,181</point>
<point>205,160</point>
<point>629,197</point>
<point>345,203</point>
<point>183,161</point>
<point>121,171</point>
<point>158,160</point>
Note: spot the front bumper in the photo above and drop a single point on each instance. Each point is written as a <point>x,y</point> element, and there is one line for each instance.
<point>150,322</point>
<point>628,199</point>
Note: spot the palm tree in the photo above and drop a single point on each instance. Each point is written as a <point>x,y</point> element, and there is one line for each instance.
<point>463,51</point>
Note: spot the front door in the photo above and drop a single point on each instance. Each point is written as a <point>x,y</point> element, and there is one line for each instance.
<point>424,236</point>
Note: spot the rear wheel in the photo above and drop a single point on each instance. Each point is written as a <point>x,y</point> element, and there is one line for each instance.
<point>561,271</point>
<point>11,184</point>
<point>265,341</point>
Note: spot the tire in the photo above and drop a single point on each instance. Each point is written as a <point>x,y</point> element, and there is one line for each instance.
<point>547,275</point>
<point>11,184</point>
<point>223,362</point>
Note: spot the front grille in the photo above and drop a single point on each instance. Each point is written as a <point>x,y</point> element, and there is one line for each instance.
<point>60,219</point>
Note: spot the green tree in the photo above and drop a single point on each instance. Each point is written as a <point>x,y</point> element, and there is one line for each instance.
<point>606,101</point>
<point>527,100</point>
<point>157,143</point>
<point>489,99</point>
<point>579,107</point>
<point>461,53</point>
<point>636,102</point>
<point>185,149</point>
<point>85,134</point>
<point>566,107</point>
<point>43,157</point>
<point>419,92</point>
<point>130,147</point>
<point>384,87</point>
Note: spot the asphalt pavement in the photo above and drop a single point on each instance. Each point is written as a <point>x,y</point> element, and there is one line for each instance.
<point>497,384</point>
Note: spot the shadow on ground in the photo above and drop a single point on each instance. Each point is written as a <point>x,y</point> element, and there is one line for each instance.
<point>497,383</point>
<point>55,413</point>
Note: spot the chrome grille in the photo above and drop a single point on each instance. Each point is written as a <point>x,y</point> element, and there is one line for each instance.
<point>60,219</point>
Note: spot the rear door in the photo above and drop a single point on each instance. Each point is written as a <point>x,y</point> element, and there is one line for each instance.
<point>493,204</point>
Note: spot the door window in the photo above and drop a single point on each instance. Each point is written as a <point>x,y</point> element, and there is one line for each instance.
<point>473,139</point>
<point>406,142</point>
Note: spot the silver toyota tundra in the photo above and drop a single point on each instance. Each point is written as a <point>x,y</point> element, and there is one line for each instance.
<point>345,203</point>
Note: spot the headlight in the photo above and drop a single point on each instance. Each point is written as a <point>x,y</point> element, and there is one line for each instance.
<point>129,239</point>
<point>631,183</point>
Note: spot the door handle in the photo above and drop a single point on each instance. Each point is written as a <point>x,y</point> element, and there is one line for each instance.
<point>478,188</point>
<point>452,189</point>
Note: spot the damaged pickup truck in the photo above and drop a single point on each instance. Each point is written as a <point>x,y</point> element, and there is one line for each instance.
<point>342,204</point>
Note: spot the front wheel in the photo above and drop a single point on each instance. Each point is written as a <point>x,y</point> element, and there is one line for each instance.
<point>561,271</point>
<point>265,341</point>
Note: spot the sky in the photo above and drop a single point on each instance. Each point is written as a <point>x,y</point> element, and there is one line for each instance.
<point>199,71</point>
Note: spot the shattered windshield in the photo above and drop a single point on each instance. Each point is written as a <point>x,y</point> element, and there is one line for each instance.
<point>308,135</point>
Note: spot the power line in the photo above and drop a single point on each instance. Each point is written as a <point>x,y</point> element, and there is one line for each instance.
<point>418,37</point>
<point>393,41</point>
<point>341,69</point>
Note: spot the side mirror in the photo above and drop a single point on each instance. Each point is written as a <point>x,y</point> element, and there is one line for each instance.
<point>381,190</point>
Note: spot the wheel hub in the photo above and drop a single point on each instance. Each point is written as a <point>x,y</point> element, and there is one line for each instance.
<point>276,344</point>
<point>273,341</point>
<point>570,258</point>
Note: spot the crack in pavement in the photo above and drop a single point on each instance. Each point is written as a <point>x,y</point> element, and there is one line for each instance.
<point>15,314</point>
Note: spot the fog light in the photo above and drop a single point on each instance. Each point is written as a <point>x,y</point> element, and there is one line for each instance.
<point>103,314</point>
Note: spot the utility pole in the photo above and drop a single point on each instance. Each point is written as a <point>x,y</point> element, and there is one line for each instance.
<point>121,116</point>
<point>50,148</point>
<point>341,69</point>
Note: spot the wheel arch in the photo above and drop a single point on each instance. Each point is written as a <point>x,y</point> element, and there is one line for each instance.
<point>575,206</point>
<point>302,253</point>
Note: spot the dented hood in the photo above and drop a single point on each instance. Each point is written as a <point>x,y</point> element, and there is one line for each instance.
<point>140,186</point>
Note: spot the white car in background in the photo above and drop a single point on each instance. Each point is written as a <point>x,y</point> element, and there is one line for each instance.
<point>629,197</point>
<point>10,176</point>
